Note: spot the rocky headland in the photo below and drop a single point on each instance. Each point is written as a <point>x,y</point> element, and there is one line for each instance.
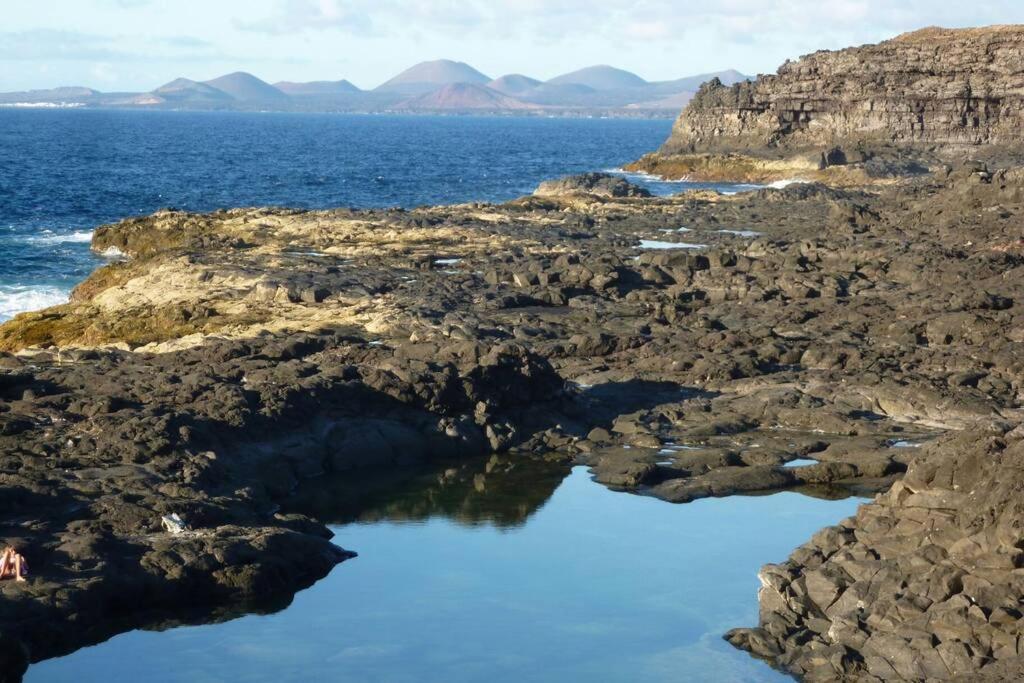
<point>154,429</point>
<point>849,116</point>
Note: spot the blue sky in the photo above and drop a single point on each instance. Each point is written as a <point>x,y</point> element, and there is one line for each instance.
<point>139,44</point>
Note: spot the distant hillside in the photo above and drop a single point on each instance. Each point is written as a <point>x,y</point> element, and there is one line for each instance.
<point>513,84</point>
<point>317,88</point>
<point>465,96</point>
<point>601,77</point>
<point>67,93</point>
<point>567,94</point>
<point>187,85</point>
<point>441,85</point>
<point>674,102</point>
<point>428,76</point>
<point>693,83</point>
<point>187,91</point>
<point>245,87</point>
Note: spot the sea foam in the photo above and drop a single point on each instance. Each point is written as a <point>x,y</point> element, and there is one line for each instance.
<point>50,237</point>
<point>15,299</point>
<point>783,184</point>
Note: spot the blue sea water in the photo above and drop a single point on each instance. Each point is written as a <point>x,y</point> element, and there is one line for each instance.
<point>62,173</point>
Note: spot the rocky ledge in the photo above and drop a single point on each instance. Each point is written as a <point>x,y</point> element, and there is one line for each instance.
<point>923,584</point>
<point>861,113</point>
<point>683,347</point>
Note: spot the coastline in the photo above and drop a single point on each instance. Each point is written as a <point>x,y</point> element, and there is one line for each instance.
<point>684,347</point>
<point>459,347</point>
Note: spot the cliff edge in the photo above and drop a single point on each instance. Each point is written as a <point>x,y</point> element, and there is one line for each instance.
<point>930,95</point>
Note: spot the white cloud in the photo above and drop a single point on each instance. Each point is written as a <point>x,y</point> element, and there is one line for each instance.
<point>47,44</point>
<point>663,20</point>
<point>368,41</point>
<point>104,72</point>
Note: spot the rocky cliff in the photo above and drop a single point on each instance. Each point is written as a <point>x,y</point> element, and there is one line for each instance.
<point>938,91</point>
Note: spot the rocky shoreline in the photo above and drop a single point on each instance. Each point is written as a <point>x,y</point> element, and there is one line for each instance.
<point>682,347</point>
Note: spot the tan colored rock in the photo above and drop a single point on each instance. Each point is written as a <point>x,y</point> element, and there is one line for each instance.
<point>952,88</point>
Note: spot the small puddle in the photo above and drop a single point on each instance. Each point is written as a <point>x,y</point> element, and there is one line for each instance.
<point>314,254</point>
<point>661,187</point>
<point>741,233</point>
<point>506,570</point>
<point>800,462</point>
<point>673,448</point>
<point>657,244</point>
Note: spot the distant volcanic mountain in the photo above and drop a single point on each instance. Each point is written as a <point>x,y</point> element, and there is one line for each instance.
<point>565,94</point>
<point>317,88</point>
<point>245,87</point>
<point>693,83</point>
<point>442,85</point>
<point>513,84</point>
<point>465,96</point>
<point>428,76</point>
<point>601,78</point>
<point>67,93</point>
<point>184,90</point>
<point>677,102</point>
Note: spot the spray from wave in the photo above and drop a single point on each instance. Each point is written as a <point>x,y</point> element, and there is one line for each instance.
<point>15,299</point>
<point>50,237</point>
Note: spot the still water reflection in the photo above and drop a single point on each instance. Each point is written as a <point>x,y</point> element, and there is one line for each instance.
<point>497,572</point>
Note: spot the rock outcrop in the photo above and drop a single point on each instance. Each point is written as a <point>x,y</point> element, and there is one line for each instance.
<point>923,584</point>
<point>232,355</point>
<point>938,93</point>
<point>99,448</point>
<point>597,184</point>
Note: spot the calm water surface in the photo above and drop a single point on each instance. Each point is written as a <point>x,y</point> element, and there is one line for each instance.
<point>516,576</point>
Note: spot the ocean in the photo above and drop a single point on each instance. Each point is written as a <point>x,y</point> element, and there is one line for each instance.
<point>65,172</point>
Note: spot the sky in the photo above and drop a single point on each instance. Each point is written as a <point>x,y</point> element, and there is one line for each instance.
<point>137,45</point>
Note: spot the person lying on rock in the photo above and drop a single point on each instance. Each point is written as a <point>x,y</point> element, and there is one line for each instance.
<point>13,565</point>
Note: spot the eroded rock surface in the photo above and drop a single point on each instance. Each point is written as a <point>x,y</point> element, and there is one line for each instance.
<point>923,584</point>
<point>100,446</point>
<point>596,184</point>
<point>683,347</point>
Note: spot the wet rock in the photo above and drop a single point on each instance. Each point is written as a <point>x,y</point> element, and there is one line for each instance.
<point>598,184</point>
<point>622,470</point>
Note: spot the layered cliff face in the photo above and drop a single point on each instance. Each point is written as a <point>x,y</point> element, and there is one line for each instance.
<point>935,86</point>
<point>941,92</point>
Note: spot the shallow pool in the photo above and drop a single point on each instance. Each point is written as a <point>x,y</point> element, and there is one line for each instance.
<point>495,572</point>
<point>659,244</point>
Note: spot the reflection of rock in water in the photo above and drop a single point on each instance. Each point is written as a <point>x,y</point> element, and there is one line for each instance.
<point>841,491</point>
<point>503,491</point>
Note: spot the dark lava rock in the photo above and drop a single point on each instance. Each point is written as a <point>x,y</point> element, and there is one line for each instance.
<point>598,184</point>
